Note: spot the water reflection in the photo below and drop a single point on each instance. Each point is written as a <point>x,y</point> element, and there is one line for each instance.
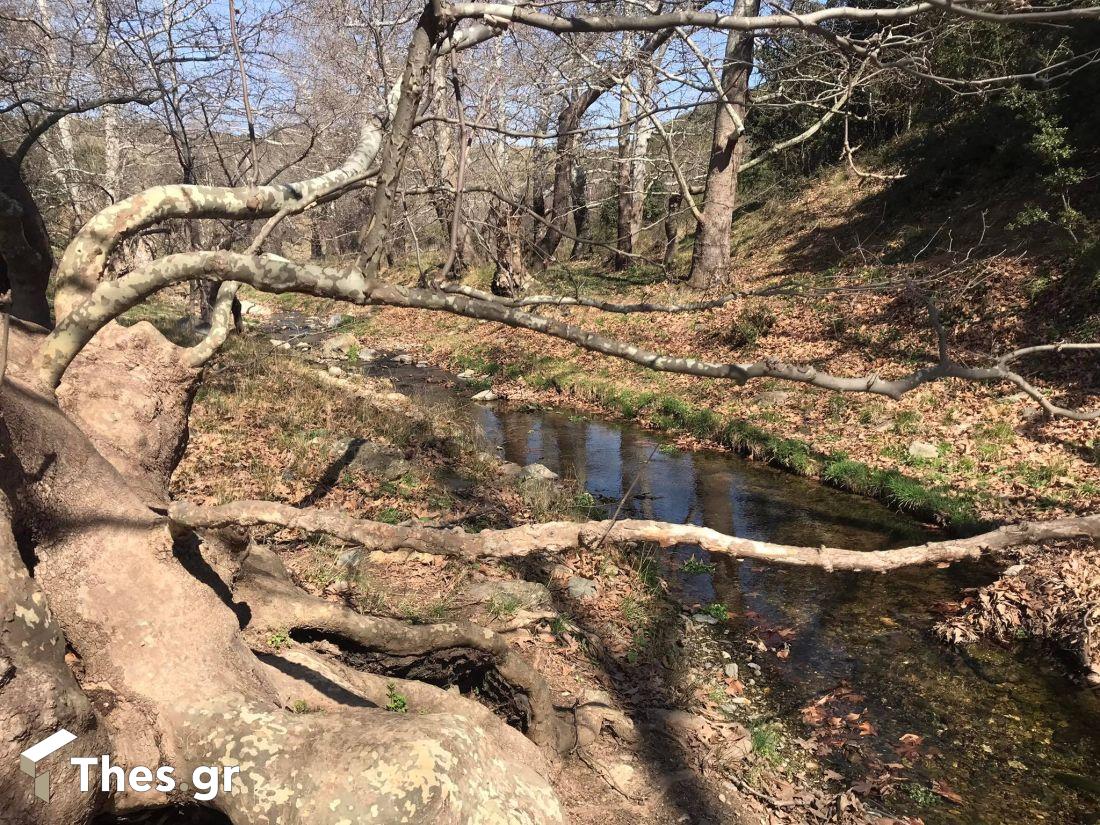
<point>997,721</point>
<point>1019,742</point>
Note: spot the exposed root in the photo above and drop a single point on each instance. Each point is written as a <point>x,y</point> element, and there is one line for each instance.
<point>566,535</point>
<point>277,605</point>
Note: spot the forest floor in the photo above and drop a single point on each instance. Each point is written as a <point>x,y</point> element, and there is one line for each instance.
<point>697,742</point>
<point>691,737</point>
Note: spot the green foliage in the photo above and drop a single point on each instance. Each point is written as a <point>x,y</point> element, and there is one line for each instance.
<point>920,794</point>
<point>279,639</point>
<point>696,567</point>
<point>396,701</point>
<point>718,611</point>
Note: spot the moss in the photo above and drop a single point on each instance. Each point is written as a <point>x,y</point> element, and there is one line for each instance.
<point>672,412</point>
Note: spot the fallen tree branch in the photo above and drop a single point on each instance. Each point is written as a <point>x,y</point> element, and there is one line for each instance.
<point>565,535</point>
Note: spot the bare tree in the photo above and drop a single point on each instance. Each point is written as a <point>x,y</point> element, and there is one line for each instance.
<point>93,416</point>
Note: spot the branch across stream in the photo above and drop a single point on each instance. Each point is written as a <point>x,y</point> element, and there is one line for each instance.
<point>1002,730</point>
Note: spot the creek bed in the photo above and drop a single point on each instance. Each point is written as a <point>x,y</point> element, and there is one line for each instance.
<point>1005,730</point>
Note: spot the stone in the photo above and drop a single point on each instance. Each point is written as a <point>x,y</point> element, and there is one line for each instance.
<point>422,365</point>
<point>387,463</point>
<point>525,593</point>
<point>404,358</point>
<point>485,395</point>
<point>334,321</point>
<point>772,398</point>
<point>466,375</point>
<point>731,670</point>
<point>509,469</point>
<point>539,471</point>
<point>341,343</point>
<point>336,372</point>
<point>582,588</point>
<point>923,449</point>
<point>704,618</point>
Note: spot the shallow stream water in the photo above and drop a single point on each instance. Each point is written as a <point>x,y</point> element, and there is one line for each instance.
<point>1005,730</point>
<point>1015,738</point>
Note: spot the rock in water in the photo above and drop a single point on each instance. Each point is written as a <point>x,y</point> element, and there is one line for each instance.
<point>485,395</point>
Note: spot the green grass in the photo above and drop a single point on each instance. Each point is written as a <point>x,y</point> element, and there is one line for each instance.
<point>766,741</point>
<point>918,498</point>
<point>503,606</point>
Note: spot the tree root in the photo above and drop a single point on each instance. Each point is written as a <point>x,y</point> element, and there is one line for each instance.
<point>162,674</point>
<point>564,535</point>
<point>277,605</point>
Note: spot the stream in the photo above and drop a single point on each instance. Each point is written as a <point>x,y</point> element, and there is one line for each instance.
<point>1013,737</point>
<point>1005,731</point>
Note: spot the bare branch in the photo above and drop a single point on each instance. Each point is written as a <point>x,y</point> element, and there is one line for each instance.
<point>113,298</point>
<point>568,535</point>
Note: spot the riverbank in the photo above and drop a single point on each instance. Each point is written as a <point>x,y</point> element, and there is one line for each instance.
<point>686,736</point>
<point>811,730</point>
<point>954,454</point>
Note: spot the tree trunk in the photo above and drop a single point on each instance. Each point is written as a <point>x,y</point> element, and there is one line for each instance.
<point>711,259</point>
<point>580,212</point>
<point>673,230</point>
<point>510,277</point>
<point>24,248</point>
<point>624,201</point>
<point>557,213</point>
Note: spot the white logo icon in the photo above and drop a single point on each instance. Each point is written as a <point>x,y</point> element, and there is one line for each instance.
<point>29,759</point>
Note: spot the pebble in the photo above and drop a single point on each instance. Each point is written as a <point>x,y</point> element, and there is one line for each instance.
<point>732,671</point>
<point>923,449</point>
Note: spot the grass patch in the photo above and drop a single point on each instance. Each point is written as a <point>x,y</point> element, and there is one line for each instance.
<point>503,606</point>
<point>766,741</point>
